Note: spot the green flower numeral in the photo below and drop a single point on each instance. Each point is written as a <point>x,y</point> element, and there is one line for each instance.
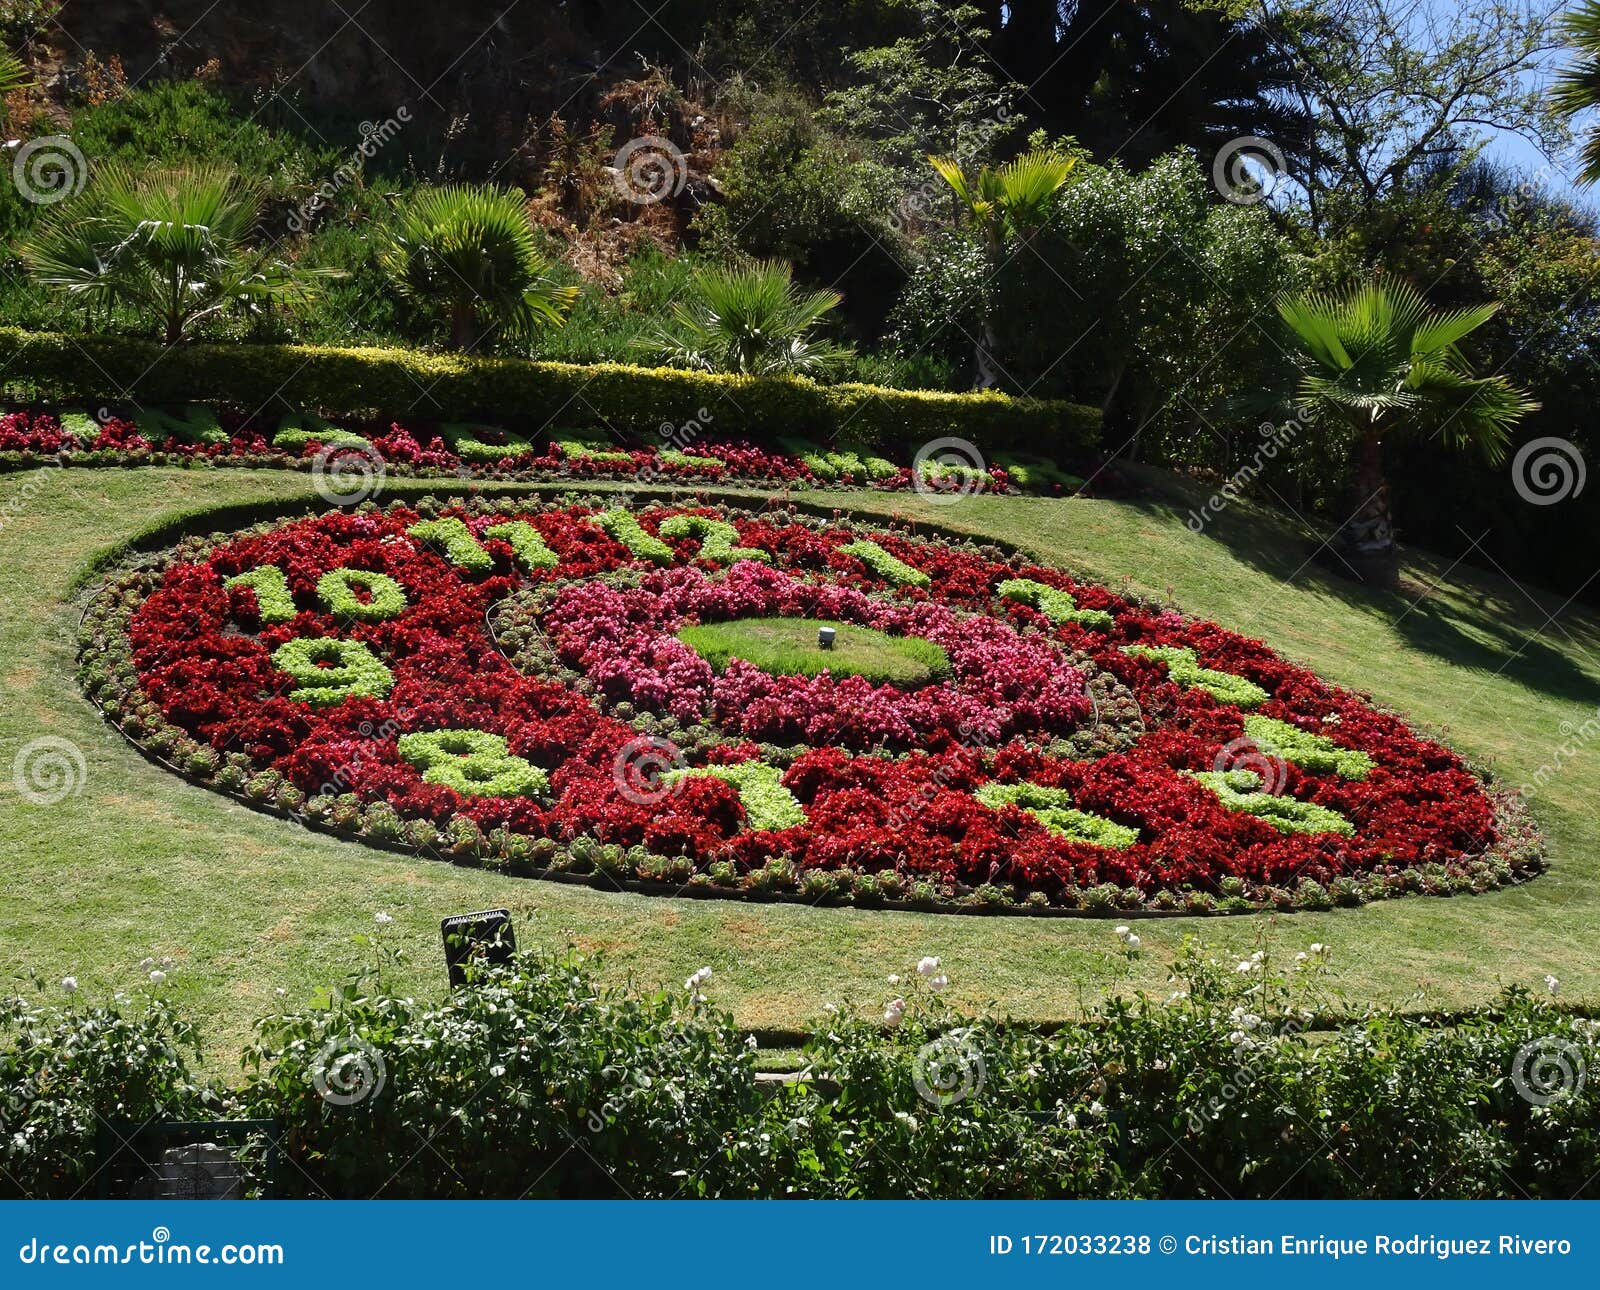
<point>1056,605</point>
<point>274,604</point>
<point>474,763</point>
<point>455,539</point>
<point>1313,753</point>
<point>526,544</point>
<point>624,526</point>
<point>767,803</point>
<point>885,565</point>
<point>1050,806</point>
<point>1240,790</point>
<point>1185,669</point>
<point>718,539</point>
<point>329,671</point>
<point>298,429</point>
<point>385,598</point>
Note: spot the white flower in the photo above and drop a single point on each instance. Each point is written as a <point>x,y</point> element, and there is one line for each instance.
<point>1072,1120</point>
<point>1300,957</point>
<point>895,1010</point>
<point>1249,965</point>
<point>1133,941</point>
<point>1551,983</point>
<point>1097,1110</point>
<point>750,1041</point>
<point>894,978</point>
<point>69,984</point>
<point>927,966</point>
<point>1319,948</point>
<point>146,964</point>
<point>281,993</point>
<point>382,919</point>
<point>696,980</point>
<point>937,983</point>
<point>1258,956</point>
<point>1158,1065</point>
<point>1121,930</point>
<point>157,977</point>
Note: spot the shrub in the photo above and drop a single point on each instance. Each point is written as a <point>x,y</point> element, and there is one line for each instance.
<point>470,253</point>
<point>170,245</point>
<point>67,1072</point>
<point>502,1079</point>
<point>753,320</point>
<point>623,399</point>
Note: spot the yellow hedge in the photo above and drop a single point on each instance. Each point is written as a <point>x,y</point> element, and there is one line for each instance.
<point>401,383</point>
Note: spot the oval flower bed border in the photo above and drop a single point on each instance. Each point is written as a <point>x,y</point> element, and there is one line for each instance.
<point>1515,855</point>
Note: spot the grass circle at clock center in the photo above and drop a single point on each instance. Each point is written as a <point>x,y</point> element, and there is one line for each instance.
<point>793,647</point>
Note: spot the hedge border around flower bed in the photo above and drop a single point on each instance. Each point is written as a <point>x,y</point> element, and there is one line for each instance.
<point>453,387</point>
<point>1518,850</point>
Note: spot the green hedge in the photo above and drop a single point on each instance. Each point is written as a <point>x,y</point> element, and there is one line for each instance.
<point>451,387</point>
<point>1223,1091</point>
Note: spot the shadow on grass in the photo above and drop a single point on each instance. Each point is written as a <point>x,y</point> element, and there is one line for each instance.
<point>1448,608</point>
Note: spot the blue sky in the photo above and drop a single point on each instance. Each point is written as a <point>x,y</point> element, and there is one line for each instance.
<point>1518,152</point>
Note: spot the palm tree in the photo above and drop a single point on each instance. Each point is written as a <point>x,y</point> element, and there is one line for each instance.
<point>1005,203</point>
<point>1377,363</point>
<point>171,245</point>
<point>753,320</point>
<point>471,252</point>
<point>1578,87</point>
<point>13,76</point>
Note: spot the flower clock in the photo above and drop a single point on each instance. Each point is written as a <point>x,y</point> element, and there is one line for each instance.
<point>710,701</point>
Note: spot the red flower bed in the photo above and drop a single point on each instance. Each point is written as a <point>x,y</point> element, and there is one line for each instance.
<point>419,449</point>
<point>576,669</point>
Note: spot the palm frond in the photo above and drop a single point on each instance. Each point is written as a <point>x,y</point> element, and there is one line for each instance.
<point>1442,332</point>
<point>752,320</point>
<point>1013,198</point>
<point>14,75</point>
<point>1577,86</point>
<point>1377,358</point>
<point>464,248</point>
<point>173,245</point>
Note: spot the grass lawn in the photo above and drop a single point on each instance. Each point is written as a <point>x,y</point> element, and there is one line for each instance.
<point>789,647</point>
<point>140,863</point>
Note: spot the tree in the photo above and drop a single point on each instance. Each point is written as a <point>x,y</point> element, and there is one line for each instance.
<point>173,246</point>
<point>1005,204</point>
<point>934,89</point>
<point>752,320</point>
<point>1377,362</point>
<point>470,253</point>
<point>1132,79</point>
<point>1395,86</point>
<point>1578,89</point>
